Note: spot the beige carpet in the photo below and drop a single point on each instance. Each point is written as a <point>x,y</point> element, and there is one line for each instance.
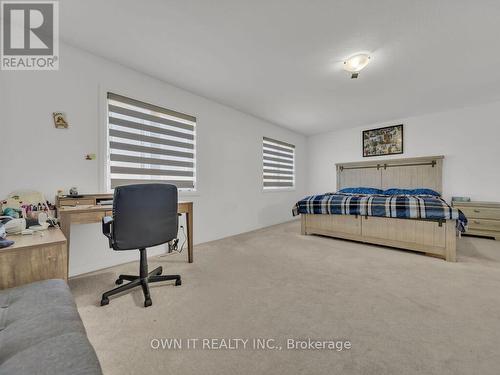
<point>404,313</point>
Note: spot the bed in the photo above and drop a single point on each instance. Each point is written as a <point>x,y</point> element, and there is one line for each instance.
<point>418,222</point>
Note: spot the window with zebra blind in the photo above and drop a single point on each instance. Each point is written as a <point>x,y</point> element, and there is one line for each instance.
<point>147,143</point>
<point>278,164</point>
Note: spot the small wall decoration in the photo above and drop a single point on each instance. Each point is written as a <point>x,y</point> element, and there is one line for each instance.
<point>60,120</point>
<point>383,141</point>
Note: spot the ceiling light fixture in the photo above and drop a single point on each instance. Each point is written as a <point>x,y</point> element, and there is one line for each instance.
<point>356,63</point>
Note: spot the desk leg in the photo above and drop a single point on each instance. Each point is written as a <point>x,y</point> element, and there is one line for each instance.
<point>189,228</point>
<point>65,225</point>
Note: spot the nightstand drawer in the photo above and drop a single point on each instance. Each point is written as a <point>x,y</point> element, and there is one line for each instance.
<point>480,212</point>
<point>484,224</point>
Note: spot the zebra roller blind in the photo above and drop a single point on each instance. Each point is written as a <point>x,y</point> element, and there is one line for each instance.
<point>147,143</point>
<point>279,164</point>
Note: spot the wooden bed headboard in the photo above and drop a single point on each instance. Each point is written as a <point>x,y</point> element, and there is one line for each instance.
<point>408,173</point>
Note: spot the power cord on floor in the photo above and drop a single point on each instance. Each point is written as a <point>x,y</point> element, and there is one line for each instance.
<point>173,246</point>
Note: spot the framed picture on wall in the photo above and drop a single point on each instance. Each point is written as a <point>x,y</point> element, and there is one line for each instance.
<point>383,141</point>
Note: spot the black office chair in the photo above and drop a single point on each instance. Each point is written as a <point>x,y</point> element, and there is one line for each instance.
<point>144,215</point>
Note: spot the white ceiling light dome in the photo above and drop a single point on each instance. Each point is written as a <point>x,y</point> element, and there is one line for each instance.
<point>356,63</point>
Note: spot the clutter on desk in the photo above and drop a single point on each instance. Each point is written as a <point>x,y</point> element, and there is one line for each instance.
<point>25,212</point>
<point>4,242</point>
<point>73,191</point>
<point>15,226</point>
<point>33,211</point>
<point>11,212</point>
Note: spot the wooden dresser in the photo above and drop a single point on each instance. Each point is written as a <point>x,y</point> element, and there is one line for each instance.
<point>39,256</point>
<point>484,218</point>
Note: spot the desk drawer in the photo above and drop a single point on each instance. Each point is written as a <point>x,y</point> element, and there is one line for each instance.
<point>484,224</point>
<point>480,212</point>
<point>88,217</point>
<point>76,202</point>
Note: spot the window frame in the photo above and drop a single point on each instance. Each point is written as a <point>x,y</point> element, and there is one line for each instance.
<point>104,157</point>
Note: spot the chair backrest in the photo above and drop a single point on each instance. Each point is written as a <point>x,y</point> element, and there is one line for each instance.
<point>144,215</point>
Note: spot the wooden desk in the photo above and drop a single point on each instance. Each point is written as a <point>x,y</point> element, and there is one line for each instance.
<point>39,256</point>
<point>85,214</point>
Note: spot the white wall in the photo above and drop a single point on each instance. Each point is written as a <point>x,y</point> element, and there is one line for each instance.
<point>469,139</point>
<point>35,155</point>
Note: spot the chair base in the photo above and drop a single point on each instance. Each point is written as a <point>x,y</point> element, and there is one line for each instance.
<point>142,280</point>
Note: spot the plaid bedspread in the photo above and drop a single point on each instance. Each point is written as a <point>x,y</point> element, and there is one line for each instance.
<point>395,206</point>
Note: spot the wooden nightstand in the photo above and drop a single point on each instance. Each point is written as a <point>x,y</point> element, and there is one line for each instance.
<point>39,256</point>
<point>484,218</point>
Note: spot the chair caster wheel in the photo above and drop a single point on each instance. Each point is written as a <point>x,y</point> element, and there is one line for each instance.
<point>148,302</point>
<point>104,301</point>
<point>119,281</point>
<point>178,282</point>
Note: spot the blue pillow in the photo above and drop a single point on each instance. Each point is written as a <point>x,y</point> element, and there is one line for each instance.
<point>411,192</point>
<point>361,190</point>
<point>426,192</point>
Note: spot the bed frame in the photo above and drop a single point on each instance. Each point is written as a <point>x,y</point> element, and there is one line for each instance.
<point>433,237</point>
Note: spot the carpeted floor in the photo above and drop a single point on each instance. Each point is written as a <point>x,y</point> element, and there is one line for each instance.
<point>404,313</point>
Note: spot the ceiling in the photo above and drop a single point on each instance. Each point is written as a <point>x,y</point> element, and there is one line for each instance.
<point>281,60</point>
